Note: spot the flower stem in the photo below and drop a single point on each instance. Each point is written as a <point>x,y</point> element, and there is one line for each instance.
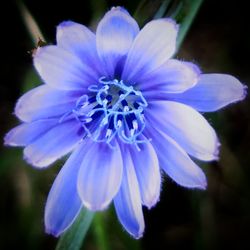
<point>100,232</point>
<point>30,23</point>
<point>73,238</point>
<point>185,17</point>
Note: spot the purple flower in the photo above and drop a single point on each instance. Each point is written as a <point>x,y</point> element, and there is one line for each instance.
<point>124,109</point>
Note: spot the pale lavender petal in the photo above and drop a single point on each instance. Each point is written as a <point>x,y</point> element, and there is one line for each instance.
<point>114,37</point>
<point>100,176</point>
<point>172,77</point>
<point>153,46</point>
<point>187,127</point>
<point>175,161</point>
<point>45,102</point>
<point>212,92</point>
<point>26,133</point>
<point>56,143</point>
<point>128,202</point>
<point>80,41</point>
<point>148,173</point>
<point>63,203</point>
<point>63,70</point>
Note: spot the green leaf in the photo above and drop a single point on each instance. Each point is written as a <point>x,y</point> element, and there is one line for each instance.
<point>73,238</point>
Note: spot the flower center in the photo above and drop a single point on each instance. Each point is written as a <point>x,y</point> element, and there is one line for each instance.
<point>112,109</point>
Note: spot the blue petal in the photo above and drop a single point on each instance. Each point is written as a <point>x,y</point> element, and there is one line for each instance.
<point>175,161</point>
<point>100,176</point>
<point>212,92</point>
<point>26,133</point>
<point>57,142</point>
<point>63,70</point>
<point>114,37</point>
<point>128,202</point>
<point>148,173</point>
<point>80,41</point>
<point>63,203</point>
<point>172,77</point>
<point>45,102</point>
<point>153,46</point>
<point>187,127</point>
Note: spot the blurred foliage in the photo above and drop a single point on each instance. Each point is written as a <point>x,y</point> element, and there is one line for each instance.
<point>73,238</point>
<point>214,219</point>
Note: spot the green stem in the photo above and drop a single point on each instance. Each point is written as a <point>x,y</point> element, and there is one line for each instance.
<point>72,239</point>
<point>161,11</point>
<point>30,23</point>
<point>188,18</point>
<point>100,232</point>
<point>146,11</point>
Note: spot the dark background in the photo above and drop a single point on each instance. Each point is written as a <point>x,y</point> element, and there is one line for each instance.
<point>218,41</point>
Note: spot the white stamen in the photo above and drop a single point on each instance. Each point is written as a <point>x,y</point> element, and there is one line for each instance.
<point>135,124</point>
<point>108,133</point>
<point>105,101</point>
<point>119,123</point>
<point>132,131</point>
<point>126,109</point>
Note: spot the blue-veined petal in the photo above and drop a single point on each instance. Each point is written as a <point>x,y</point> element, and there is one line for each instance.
<point>172,77</point>
<point>153,46</point>
<point>100,176</point>
<point>62,69</point>
<point>114,36</point>
<point>26,133</point>
<point>79,40</point>
<point>57,142</point>
<point>175,161</point>
<point>212,92</point>
<point>148,173</point>
<point>63,203</point>
<point>128,201</point>
<point>45,102</point>
<point>187,127</point>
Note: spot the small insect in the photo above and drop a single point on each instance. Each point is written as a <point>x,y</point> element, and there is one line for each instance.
<point>40,43</point>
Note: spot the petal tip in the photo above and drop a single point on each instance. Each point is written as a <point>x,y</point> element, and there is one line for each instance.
<point>62,27</point>
<point>18,111</point>
<point>173,22</point>
<point>203,183</point>
<point>195,68</point>
<point>217,151</point>
<point>151,199</point>
<point>119,8</point>
<point>34,163</point>
<point>200,183</point>
<point>51,231</point>
<point>11,140</point>
<point>203,187</point>
<point>195,72</point>
<point>244,92</point>
<point>138,235</point>
<point>152,202</point>
<point>7,139</point>
<point>65,24</point>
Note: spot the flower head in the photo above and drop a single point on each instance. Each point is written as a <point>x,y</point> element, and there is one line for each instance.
<point>125,109</point>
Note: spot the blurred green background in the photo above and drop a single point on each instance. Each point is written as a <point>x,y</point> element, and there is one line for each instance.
<point>218,41</point>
